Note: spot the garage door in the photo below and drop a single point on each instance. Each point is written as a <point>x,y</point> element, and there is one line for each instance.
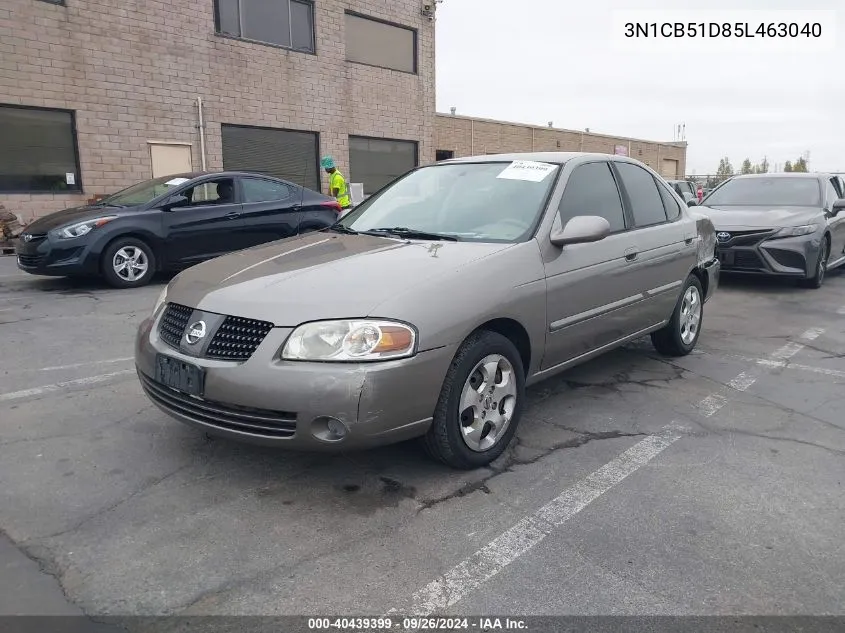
<point>287,154</point>
<point>669,169</point>
<point>377,161</point>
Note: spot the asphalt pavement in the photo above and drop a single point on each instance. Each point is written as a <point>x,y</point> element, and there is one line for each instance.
<point>638,485</point>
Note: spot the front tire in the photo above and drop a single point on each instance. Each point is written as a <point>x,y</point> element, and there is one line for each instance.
<point>680,335</point>
<point>480,403</point>
<point>128,263</point>
<point>817,279</point>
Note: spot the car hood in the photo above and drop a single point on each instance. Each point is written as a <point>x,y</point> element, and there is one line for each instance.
<point>320,276</point>
<point>72,215</point>
<point>729,217</point>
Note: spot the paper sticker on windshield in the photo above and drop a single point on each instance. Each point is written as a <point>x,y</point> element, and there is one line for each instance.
<point>176,182</point>
<point>527,170</point>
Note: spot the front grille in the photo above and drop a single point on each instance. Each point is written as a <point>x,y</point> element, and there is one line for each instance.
<point>34,237</point>
<point>258,422</point>
<point>747,238</point>
<point>30,261</point>
<point>173,323</point>
<point>747,259</point>
<point>790,259</point>
<point>237,338</point>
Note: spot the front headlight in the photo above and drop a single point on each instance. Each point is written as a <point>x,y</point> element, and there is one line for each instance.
<point>350,340</point>
<point>83,228</point>
<point>796,231</point>
<point>160,301</point>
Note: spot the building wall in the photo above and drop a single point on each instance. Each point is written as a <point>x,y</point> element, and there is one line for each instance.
<point>468,136</point>
<point>132,72</point>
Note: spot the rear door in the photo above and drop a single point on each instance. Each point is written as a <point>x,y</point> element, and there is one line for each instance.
<point>271,209</point>
<point>664,242</point>
<point>207,225</point>
<point>589,296</point>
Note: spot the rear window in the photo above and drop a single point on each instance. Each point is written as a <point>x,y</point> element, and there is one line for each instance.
<point>767,192</point>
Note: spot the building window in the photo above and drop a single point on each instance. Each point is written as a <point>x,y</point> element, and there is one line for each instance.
<point>287,154</point>
<point>287,23</point>
<point>38,152</point>
<point>375,162</point>
<point>382,44</point>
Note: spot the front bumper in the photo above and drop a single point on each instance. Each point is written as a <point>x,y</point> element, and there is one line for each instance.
<point>785,257</point>
<point>46,255</point>
<point>272,402</point>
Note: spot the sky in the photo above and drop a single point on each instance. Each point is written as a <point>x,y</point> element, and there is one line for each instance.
<point>566,61</point>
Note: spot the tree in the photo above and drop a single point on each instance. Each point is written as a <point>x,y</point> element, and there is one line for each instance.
<point>725,169</point>
<point>787,166</point>
<point>746,167</point>
<point>800,165</point>
<point>762,168</point>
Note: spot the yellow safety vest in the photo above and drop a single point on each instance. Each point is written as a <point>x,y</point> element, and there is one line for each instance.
<point>337,181</point>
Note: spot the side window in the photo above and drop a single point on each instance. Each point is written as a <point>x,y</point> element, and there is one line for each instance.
<point>220,191</point>
<point>260,190</point>
<point>670,202</point>
<point>646,203</point>
<point>831,193</point>
<point>838,186</point>
<point>591,190</point>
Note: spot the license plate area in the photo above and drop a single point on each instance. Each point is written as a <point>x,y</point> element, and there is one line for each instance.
<point>179,375</point>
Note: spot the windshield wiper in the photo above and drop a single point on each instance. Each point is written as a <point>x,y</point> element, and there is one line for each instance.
<point>340,228</point>
<point>413,234</point>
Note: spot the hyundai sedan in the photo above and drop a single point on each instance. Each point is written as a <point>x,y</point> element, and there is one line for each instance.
<point>426,311</point>
<point>170,223</point>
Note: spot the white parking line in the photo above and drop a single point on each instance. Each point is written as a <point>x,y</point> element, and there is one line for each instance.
<point>88,364</point>
<point>766,362</point>
<point>491,559</point>
<point>715,401</point>
<point>38,391</point>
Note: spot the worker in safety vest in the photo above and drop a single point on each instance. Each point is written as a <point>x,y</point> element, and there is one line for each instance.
<point>337,183</point>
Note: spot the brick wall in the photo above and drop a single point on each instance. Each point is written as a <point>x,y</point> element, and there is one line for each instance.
<point>467,136</point>
<point>132,72</point>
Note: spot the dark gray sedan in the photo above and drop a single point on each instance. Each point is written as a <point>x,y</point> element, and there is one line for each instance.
<point>789,225</point>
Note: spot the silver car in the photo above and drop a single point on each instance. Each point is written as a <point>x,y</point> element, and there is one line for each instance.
<point>427,310</point>
<point>785,224</point>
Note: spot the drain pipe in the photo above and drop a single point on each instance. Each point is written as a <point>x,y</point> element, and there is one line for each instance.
<point>201,127</point>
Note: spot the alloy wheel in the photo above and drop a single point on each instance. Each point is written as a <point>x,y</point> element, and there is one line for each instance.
<point>690,315</point>
<point>130,263</point>
<point>488,402</point>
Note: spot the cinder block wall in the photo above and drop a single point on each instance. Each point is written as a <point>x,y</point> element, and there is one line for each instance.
<point>132,73</point>
<point>469,136</point>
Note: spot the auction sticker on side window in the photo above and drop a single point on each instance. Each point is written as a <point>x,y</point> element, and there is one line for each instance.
<point>527,170</point>
<point>176,182</point>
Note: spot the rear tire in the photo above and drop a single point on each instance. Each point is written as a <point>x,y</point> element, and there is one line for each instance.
<point>817,279</point>
<point>480,403</point>
<point>128,263</point>
<point>680,335</point>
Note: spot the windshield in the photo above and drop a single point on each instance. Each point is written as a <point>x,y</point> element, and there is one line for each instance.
<point>482,202</point>
<point>143,192</point>
<point>767,192</point>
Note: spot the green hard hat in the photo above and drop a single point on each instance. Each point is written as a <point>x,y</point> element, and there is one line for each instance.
<point>327,162</point>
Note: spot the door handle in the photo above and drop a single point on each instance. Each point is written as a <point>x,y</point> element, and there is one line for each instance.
<point>631,254</point>
<point>232,215</point>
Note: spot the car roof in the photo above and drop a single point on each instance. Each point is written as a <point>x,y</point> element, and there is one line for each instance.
<point>555,158</point>
<point>225,174</point>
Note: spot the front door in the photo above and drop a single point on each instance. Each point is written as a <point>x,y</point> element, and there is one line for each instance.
<point>589,286</point>
<point>206,225</point>
<point>837,222</point>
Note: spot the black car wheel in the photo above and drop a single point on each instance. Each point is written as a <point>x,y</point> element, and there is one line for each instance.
<point>128,263</point>
<point>480,403</point>
<point>817,279</point>
<point>679,336</point>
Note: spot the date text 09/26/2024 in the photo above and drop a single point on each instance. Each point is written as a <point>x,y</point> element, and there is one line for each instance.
<point>723,30</point>
<point>375,625</point>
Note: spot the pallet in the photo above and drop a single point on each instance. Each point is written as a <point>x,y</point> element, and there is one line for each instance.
<point>6,249</point>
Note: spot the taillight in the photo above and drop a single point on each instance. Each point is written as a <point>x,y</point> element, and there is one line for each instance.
<point>334,206</point>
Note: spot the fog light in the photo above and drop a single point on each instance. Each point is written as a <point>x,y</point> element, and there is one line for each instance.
<point>328,429</point>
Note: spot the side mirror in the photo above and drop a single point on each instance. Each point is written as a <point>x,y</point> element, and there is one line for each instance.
<point>692,203</point>
<point>175,202</point>
<point>582,229</point>
<point>838,205</point>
